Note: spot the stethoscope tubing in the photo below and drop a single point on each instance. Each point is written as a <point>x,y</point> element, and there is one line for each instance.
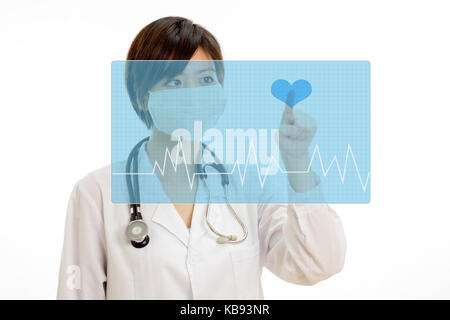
<point>134,196</point>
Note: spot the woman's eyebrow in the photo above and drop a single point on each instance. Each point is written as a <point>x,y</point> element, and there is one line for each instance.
<point>207,69</point>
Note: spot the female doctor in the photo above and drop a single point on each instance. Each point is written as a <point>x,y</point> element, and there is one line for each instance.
<point>300,243</point>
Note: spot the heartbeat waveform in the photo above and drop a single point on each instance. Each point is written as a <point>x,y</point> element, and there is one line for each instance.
<point>272,161</point>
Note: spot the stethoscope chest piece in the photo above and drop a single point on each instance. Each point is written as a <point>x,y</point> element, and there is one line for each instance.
<point>137,233</point>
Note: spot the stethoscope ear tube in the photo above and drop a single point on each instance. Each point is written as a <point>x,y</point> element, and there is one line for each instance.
<point>223,238</point>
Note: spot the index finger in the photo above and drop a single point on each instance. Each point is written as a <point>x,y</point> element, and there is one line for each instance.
<point>288,113</point>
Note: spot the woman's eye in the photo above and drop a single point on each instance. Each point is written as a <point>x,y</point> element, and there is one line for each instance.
<point>207,80</point>
<point>173,83</point>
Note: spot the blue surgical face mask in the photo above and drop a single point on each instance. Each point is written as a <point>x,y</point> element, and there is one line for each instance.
<point>179,108</point>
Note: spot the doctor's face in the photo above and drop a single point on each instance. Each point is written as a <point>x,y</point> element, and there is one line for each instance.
<point>200,73</point>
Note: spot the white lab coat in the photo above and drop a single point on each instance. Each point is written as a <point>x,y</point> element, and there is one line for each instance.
<point>300,243</point>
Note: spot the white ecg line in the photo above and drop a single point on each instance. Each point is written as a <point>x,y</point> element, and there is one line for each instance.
<point>272,160</point>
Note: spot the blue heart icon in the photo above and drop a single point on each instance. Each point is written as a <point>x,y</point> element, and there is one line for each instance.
<point>291,94</point>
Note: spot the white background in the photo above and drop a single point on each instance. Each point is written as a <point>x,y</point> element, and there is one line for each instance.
<point>55,125</point>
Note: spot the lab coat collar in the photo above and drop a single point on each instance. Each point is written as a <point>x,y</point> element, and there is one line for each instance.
<point>167,216</point>
<point>164,212</point>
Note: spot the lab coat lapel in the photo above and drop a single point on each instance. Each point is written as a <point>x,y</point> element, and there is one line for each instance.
<point>198,226</point>
<point>167,216</point>
<point>164,213</point>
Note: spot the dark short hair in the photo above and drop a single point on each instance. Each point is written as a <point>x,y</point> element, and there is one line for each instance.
<point>169,38</point>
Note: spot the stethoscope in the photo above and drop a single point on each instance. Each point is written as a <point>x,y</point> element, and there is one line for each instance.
<point>137,229</point>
